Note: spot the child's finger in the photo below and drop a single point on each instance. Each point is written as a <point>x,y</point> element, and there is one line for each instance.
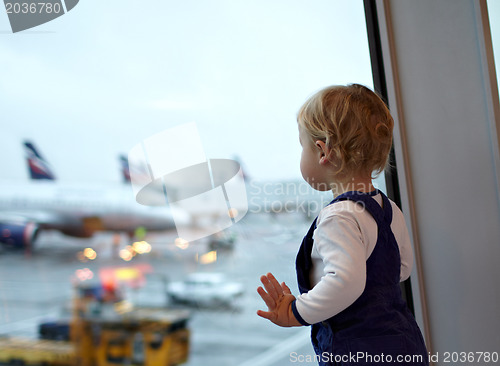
<point>270,288</point>
<point>267,315</point>
<point>271,304</point>
<point>286,289</point>
<point>275,284</point>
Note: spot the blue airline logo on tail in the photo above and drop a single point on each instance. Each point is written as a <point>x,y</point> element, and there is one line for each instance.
<point>38,167</point>
<point>125,169</point>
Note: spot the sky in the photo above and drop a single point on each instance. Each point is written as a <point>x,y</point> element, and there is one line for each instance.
<point>98,80</point>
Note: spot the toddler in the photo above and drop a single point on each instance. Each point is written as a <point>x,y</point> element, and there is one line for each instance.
<point>357,250</point>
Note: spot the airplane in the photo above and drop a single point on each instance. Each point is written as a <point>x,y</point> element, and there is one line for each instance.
<point>77,210</point>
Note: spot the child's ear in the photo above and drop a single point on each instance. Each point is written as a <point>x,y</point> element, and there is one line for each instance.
<point>324,152</point>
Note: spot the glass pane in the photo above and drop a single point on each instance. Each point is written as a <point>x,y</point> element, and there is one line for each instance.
<point>109,76</point>
<point>494,16</point>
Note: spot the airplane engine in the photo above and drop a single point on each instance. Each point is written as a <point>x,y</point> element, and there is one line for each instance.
<point>18,235</point>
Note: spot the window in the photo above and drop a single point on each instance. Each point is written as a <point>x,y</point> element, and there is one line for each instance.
<point>89,85</point>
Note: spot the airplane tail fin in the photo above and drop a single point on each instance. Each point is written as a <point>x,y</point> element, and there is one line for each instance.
<point>125,168</point>
<point>38,166</point>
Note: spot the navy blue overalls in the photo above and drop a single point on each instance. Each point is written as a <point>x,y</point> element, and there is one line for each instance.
<point>378,323</point>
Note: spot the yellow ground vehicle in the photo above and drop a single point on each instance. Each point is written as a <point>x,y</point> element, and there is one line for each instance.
<point>36,352</point>
<point>107,333</point>
<point>143,336</point>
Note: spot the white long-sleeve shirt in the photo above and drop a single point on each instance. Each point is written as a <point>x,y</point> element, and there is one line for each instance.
<point>344,238</point>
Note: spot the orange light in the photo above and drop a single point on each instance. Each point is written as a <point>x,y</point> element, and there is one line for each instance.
<point>232,212</point>
<point>130,248</point>
<point>209,257</point>
<point>90,253</point>
<point>84,274</point>
<point>141,247</point>
<point>181,243</point>
<point>126,255</point>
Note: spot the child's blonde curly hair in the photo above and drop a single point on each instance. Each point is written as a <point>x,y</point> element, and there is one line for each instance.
<point>354,123</point>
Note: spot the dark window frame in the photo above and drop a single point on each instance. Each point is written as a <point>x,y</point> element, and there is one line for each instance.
<point>380,86</point>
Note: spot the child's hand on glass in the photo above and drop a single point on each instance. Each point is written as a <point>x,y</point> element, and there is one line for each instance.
<point>278,299</point>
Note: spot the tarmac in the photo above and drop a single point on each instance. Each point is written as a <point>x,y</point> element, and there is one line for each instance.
<point>37,286</point>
